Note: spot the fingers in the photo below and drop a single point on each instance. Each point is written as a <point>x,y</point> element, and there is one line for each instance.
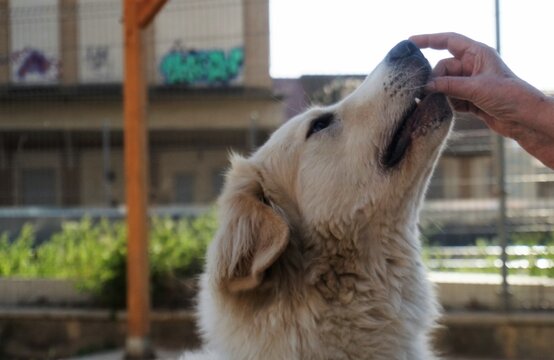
<point>448,67</point>
<point>462,88</point>
<point>460,105</point>
<point>455,43</point>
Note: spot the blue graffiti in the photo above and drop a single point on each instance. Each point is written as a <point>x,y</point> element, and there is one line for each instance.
<point>205,67</point>
<point>32,61</point>
<point>30,64</point>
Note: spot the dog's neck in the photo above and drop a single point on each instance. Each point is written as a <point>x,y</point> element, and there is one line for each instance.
<point>378,252</point>
<point>370,279</point>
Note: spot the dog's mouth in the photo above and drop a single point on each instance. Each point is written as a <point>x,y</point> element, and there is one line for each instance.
<point>428,112</point>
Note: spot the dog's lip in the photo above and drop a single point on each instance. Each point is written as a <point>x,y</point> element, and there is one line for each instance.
<point>432,108</point>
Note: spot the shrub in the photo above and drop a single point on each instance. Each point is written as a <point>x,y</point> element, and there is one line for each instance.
<point>17,258</point>
<point>94,255</point>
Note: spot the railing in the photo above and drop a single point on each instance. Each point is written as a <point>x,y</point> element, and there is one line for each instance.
<point>486,258</point>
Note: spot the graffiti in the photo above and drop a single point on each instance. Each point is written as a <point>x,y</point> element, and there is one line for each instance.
<point>97,66</point>
<point>96,57</point>
<point>205,67</point>
<point>32,65</point>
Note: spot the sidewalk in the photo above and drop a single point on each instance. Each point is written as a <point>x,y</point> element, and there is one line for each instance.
<point>118,355</point>
<point>172,355</point>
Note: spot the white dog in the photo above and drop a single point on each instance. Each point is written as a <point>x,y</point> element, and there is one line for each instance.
<point>317,255</point>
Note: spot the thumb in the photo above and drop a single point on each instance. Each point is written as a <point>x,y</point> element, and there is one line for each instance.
<point>463,88</point>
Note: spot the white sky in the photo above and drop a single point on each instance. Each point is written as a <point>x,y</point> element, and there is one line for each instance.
<point>352,36</point>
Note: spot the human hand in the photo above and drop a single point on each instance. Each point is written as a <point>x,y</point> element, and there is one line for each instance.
<point>478,81</point>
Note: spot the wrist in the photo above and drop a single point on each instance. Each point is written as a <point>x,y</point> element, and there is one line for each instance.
<point>545,115</point>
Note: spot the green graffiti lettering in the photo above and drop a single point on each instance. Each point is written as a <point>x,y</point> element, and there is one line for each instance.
<point>236,59</point>
<point>210,67</point>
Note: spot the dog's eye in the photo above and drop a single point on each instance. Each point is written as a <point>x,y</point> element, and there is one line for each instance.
<point>319,123</point>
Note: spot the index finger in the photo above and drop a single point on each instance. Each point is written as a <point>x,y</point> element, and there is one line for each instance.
<point>455,43</point>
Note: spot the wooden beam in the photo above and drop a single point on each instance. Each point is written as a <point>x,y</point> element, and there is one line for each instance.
<point>5,38</point>
<point>148,10</point>
<point>136,178</point>
<point>69,35</point>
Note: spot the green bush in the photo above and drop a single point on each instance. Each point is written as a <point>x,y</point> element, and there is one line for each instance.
<point>17,258</point>
<point>94,255</point>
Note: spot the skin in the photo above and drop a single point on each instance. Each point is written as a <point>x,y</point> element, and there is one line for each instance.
<point>478,81</point>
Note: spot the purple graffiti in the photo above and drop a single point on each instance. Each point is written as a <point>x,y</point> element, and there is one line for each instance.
<point>31,61</point>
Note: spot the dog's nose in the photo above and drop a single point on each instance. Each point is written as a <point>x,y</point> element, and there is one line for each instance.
<point>403,50</point>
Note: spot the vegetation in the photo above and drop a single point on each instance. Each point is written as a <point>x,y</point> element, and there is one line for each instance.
<point>527,254</point>
<point>94,255</point>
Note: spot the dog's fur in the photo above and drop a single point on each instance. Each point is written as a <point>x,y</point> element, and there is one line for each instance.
<point>317,255</point>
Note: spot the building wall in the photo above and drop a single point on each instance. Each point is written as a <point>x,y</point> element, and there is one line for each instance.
<point>200,44</point>
<point>451,177</point>
<point>27,163</point>
<point>220,46</point>
<point>34,42</point>
<point>96,190</point>
<point>100,42</point>
<point>481,176</point>
<point>206,44</point>
<point>205,169</point>
<point>5,38</point>
<point>224,112</point>
<point>465,177</point>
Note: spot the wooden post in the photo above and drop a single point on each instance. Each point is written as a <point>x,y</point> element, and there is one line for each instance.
<point>137,15</point>
<point>5,48</point>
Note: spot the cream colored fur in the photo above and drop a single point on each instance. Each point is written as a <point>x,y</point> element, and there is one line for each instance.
<point>317,255</point>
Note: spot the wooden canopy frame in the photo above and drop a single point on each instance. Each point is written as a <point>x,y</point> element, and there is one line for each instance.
<point>137,15</point>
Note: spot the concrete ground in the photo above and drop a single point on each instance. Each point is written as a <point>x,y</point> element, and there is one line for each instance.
<point>118,355</point>
<point>173,355</point>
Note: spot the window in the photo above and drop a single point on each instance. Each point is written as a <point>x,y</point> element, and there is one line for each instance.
<point>436,186</point>
<point>184,188</point>
<point>218,179</point>
<point>545,189</point>
<point>38,187</point>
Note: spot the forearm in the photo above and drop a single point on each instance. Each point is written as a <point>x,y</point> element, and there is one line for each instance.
<point>526,105</point>
<point>537,139</point>
<point>545,115</point>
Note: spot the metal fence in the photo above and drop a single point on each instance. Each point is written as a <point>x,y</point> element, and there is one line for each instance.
<point>61,123</point>
<point>61,143</point>
<point>207,64</point>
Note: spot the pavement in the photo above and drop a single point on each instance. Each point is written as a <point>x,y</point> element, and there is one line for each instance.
<point>119,355</point>
<point>174,355</point>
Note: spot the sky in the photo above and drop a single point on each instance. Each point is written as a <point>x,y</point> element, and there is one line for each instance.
<point>352,36</point>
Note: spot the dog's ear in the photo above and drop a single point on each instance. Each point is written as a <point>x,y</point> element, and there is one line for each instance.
<point>252,234</point>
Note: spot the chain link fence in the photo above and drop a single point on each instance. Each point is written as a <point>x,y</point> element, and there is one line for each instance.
<point>61,140</point>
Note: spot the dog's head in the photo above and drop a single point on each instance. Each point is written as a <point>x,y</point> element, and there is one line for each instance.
<point>325,174</point>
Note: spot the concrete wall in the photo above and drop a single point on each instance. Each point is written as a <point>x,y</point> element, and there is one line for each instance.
<point>206,168</point>
<point>32,333</point>
<point>34,160</point>
<point>485,335</point>
<point>216,43</point>
<point>194,112</point>
<point>256,38</point>
<point>95,191</point>
<point>168,164</point>
<point>35,47</point>
<point>188,26</point>
<point>5,39</point>
<point>100,45</point>
<point>466,176</point>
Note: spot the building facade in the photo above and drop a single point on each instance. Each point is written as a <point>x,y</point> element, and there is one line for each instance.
<point>61,68</point>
